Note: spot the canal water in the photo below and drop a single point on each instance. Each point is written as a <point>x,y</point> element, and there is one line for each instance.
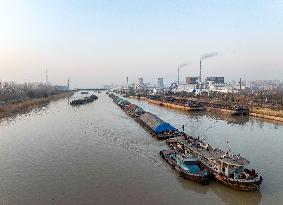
<point>96,154</point>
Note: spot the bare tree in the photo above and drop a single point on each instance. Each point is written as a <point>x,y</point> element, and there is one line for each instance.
<point>12,92</point>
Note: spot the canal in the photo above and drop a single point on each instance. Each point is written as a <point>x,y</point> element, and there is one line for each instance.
<point>96,154</point>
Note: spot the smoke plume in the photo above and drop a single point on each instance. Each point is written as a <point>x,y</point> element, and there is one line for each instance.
<point>182,65</point>
<point>208,55</point>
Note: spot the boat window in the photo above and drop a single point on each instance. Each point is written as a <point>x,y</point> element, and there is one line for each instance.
<point>189,162</point>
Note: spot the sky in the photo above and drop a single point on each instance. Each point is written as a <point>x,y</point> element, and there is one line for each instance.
<point>102,42</point>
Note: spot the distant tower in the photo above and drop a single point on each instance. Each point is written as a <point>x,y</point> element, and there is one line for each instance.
<point>46,77</point>
<point>127,85</point>
<point>140,85</point>
<point>240,82</point>
<point>140,81</point>
<point>160,83</point>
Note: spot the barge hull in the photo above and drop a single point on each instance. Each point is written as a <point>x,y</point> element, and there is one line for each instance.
<point>243,186</point>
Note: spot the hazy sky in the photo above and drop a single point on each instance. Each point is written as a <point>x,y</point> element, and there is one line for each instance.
<point>102,42</point>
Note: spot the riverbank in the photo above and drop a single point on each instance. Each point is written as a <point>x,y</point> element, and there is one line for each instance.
<point>267,113</point>
<point>19,107</point>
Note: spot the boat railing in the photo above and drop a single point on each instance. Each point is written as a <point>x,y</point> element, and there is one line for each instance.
<point>245,180</point>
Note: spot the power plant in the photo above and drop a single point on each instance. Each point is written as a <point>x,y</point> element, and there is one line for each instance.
<point>192,83</point>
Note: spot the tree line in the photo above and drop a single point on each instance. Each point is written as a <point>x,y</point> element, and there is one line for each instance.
<point>13,92</point>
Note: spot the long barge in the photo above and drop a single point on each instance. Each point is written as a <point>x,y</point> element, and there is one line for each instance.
<point>84,100</point>
<point>154,125</point>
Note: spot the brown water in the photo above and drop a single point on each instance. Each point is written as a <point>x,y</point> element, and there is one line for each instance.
<point>96,154</point>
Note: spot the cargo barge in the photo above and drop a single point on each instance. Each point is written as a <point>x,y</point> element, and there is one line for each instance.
<point>223,108</point>
<point>228,168</point>
<point>84,100</point>
<point>153,124</point>
<point>180,104</point>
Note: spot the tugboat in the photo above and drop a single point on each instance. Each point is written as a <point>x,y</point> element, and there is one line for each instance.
<point>188,167</point>
<point>230,169</point>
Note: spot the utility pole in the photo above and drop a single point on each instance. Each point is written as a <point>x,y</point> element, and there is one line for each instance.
<point>46,77</point>
<point>68,84</point>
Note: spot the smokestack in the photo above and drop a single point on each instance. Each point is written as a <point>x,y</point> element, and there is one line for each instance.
<point>180,66</point>
<point>200,71</point>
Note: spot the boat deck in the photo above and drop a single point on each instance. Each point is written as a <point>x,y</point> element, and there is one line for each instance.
<point>210,153</point>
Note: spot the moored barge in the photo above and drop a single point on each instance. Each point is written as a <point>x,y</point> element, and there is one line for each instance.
<point>230,169</point>
<point>228,109</point>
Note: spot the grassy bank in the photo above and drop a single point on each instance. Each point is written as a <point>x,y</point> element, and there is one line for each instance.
<point>267,113</point>
<point>19,107</point>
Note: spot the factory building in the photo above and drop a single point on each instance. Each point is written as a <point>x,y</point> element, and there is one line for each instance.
<point>160,83</point>
<point>216,80</point>
<point>191,80</point>
<point>140,81</point>
<point>140,85</point>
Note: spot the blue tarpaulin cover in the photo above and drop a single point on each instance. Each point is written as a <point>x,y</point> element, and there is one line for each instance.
<point>164,127</point>
<point>155,123</point>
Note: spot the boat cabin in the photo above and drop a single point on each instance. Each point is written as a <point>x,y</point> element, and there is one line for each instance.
<point>231,167</point>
